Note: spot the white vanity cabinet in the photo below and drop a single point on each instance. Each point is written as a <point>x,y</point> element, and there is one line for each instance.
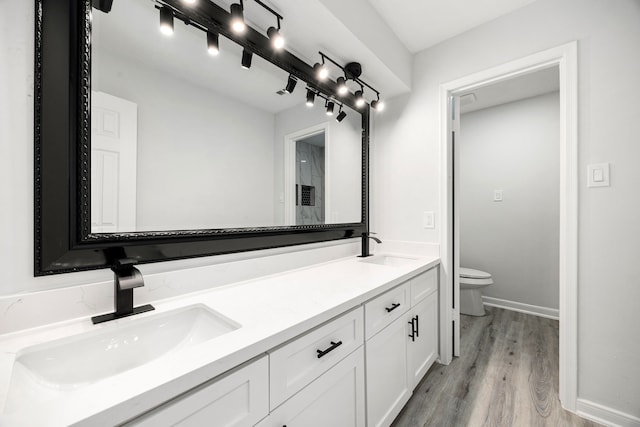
<point>422,345</point>
<point>237,399</point>
<point>401,350</point>
<point>320,376</point>
<point>336,399</point>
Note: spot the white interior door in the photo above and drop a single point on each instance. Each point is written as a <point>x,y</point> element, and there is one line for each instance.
<point>114,141</point>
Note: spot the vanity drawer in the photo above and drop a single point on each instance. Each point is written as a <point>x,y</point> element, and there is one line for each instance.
<point>302,360</point>
<point>423,284</point>
<point>386,308</point>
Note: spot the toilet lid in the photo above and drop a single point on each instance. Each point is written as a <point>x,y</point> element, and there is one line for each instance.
<point>470,273</point>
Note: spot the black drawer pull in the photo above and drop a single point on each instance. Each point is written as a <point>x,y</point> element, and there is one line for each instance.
<point>413,333</point>
<point>334,345</point>
<point>393,307</point>
<point>417,334</point>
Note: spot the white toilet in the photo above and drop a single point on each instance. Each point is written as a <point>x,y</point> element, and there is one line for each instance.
<point>471,284</point>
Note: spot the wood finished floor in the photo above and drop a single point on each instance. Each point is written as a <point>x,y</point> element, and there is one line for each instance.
<point>507,376</point>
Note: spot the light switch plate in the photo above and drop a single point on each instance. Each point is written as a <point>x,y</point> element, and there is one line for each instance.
<point>598,175</point>
<point>497,195</point>
<point>428,219</point>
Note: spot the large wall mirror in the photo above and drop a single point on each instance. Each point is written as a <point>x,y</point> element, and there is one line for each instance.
<point>148,147</point>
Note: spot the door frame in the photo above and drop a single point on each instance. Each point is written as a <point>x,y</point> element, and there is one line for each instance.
<point>565,58</point>
<point>290,170</point>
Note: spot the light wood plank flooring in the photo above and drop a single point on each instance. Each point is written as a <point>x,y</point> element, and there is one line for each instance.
<point>507,375</point>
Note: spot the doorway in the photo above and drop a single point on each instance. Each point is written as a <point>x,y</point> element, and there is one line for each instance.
<point>565,58</point>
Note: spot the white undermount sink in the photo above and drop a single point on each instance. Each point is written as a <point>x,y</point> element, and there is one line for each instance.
<point>391,260</point>
<point>77,361</point>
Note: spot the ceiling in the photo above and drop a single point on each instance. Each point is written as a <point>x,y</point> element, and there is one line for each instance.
<point>420,24</point>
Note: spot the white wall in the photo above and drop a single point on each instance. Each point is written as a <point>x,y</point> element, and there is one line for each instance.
<point>200,163</point>
<point>407,166</point>
<point>343,157</point>
<point>512,147</point>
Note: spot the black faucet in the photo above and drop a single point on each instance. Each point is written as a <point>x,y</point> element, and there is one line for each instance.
<point>365,243</point>
<point>126,278</point>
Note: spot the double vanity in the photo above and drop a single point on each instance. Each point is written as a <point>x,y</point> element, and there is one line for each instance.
<point>339,343</point>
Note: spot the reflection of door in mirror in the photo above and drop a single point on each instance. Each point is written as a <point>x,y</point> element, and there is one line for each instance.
<point>113,163</point>
<point>310,179</point>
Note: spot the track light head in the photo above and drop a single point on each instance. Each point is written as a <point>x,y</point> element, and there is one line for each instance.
<point>321,71</point>
<point>311,97</point>
<point>342,86</point>
<point>237,18</point>
<point>166,21</point>
<point>277,41</point>
<point>329,108</point>
<point>213,46</point>
<point>359,99</point>
<point>341,115</point>
<point>247,56</point>
<point>291,84</point>
<point>377,105</point>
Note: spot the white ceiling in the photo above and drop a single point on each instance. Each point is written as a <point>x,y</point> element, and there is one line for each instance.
<point>514,89</point>
<point>420,24</point>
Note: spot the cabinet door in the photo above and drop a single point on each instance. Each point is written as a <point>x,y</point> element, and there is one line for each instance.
<point>335,399</point>
<point>422,348</point>
<point>388,387</point>
<point>240,398</point>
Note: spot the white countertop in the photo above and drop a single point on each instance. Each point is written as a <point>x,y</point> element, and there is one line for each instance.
<point>270,310</point>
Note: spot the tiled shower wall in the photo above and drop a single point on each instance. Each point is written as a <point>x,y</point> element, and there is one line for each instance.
<point>310,172</point>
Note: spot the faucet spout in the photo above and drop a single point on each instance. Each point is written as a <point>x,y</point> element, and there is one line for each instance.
<point>126,278</point>
<point>365,243</point>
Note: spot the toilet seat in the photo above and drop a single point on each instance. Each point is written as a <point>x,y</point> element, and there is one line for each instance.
<point>470,273</point>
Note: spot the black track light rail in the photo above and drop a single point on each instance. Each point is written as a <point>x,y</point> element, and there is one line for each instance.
<point>211,17</point>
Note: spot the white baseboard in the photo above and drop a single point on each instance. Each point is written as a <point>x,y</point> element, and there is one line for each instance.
<point>536,310</point>
<point>605,415</point>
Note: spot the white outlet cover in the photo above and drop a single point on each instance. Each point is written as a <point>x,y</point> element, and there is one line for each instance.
<point>598,175</point>
<point>428,219</point>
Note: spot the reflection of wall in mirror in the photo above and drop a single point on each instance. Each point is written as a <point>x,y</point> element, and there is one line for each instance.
<point>204,160</point>
<point>343,160</point>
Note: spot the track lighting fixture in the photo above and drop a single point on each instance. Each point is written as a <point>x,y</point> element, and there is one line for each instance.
<point>329,108</point>
<point>276,38</point>
<point>213,45</point>
<point>377,105</point>
<point>237,17</point>
<point>321,71</point>
<point>291,84</point>
<point>359,99</point>
<point>341,115</point>
<point>311,97</point>
<point>247,56</point>
<point>342,86</point>
<point>166,21</point>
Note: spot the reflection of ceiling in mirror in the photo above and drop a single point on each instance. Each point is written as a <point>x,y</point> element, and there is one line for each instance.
<point>131,31</point>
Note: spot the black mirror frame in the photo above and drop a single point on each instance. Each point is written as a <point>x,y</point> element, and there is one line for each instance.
<point>63,239</point>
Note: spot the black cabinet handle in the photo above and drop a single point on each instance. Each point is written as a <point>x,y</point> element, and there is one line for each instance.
<point>417,326</point>
<point>413,334</point>
<point>393,307</point>
<point>334,345</point>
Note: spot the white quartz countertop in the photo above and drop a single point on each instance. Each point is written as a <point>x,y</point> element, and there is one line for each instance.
<point>270,311</point>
